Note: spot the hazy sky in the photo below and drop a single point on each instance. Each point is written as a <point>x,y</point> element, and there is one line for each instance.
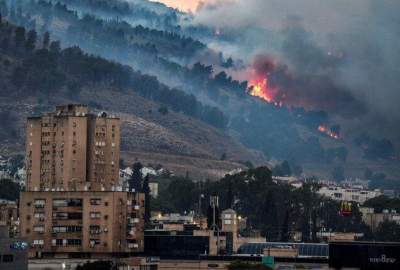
<point>181,4</point>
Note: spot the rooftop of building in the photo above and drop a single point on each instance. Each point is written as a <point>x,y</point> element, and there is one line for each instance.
<point>76,110</point>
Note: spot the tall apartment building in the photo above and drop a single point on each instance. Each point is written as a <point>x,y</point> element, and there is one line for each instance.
<point>73,204</point>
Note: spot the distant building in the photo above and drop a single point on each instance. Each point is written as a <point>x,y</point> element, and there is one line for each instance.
<point>348,194</point>
<point>181,236</point>
<point>74,204</point>
<point>9,216</point>
<point>125,175</point>
<point>373,220</point>
<point>153,189</point>
<point>229,226</point>
<point>173,218</point>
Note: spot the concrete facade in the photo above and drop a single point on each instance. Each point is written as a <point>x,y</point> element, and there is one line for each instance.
<point>348,194</point>
<point>71,149</point>
<point>74,205</point>
<point>82,222</point>
<point>9,216</point>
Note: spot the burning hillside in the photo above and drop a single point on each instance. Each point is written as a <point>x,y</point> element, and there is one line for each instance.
<point>260,84</point>
<point>329,132</point>
<point>276,83</point>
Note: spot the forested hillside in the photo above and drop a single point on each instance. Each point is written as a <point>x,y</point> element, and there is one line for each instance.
<point>36,74</point>
<point>167,65</point>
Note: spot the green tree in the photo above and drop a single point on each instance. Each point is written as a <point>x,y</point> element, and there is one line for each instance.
<point>136,179</point>
<point>282,169</point>
<point>19,36</point>
<point>46,40</point>
<point>163,110</point>
<point>30,43</point>
<point>388,231</point>
<point>147,200</point>
<point>383,202</point>
<point>9,190</point>
<point>55,47</point>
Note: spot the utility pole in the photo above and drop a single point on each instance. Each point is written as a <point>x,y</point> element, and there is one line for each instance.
<point>201,197</point>
<point>215,227</point>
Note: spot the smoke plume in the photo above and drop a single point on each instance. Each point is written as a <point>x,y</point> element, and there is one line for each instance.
<point>340,56</point>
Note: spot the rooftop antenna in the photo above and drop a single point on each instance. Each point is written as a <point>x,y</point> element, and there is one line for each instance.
<point>214,202</point>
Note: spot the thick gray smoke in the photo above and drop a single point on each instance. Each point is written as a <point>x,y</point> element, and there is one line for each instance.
<point>354,44</point>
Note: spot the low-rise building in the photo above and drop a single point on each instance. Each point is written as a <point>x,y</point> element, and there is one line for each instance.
<point>357,195</point>
<point>373,220</point>
<point>84,224</point>
<point>9,216</point>
<point>13,252</point>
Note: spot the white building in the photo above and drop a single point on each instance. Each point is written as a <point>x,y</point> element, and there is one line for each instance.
<point>153,189</point>
<point>173,218</point>
<point>373,219</point>
<point>348,194</point>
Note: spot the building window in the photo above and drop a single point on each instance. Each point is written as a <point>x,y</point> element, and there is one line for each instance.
<point>39,203</point>
<point>67,229</point>
<point>337,195</point>
<point>95,215</point>
<point>74,242</point>
<point>39,215</point>
<point>94,242</point>
<point>57,242</point>
<point>67,203</point>
<point>66,216</point>
<point>95,201</point>
<point>39,242</point>
<point>228,222</point>
<point>38,228</point>
<point>8,258</point>
<point>94,229</point>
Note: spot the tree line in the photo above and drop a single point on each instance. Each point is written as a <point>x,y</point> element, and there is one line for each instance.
<point>276,210</point>
<point>44,68</point>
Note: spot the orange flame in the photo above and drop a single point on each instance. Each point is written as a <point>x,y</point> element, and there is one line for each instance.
<point>325,130</point>
<point>260,88</point>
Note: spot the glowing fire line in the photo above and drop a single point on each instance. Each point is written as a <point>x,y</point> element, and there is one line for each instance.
<point>261,89</point>
<point>325,130</point>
